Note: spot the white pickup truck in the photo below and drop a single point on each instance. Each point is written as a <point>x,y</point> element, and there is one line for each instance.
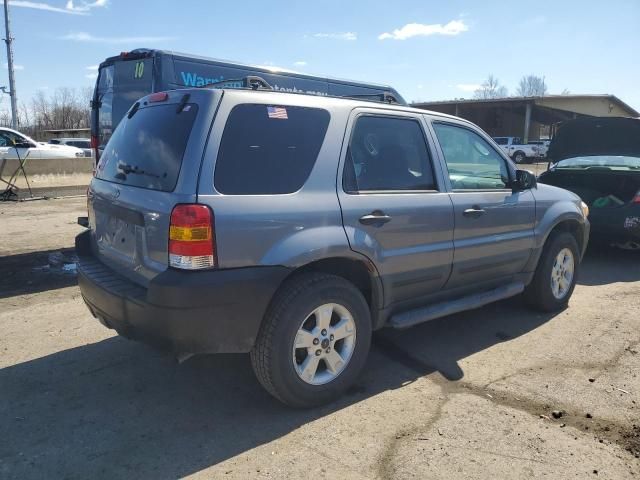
<point>520,153</point>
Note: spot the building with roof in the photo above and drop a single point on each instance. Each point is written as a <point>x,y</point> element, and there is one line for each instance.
<point>531,118</point>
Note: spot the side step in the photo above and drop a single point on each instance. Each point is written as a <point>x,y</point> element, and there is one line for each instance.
<point>442,309</point>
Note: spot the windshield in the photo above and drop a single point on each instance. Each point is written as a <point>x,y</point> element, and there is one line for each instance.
<point>8,138</point>
<point>146,150</point>
<point>612,161</point>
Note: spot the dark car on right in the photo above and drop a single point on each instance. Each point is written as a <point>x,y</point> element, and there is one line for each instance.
<point>599,160</point>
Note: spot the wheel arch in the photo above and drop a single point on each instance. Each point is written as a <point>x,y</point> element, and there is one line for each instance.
<point>360,272</point>
<point>569,225</point>
<point>572,226</point>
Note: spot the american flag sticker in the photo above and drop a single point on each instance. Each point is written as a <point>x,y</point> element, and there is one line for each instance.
<point>277,112</point>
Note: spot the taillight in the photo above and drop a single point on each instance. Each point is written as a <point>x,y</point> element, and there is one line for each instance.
<point>636,199</point>
<point>191,237</point>
<point>95,142</point>
<point>158,97</point>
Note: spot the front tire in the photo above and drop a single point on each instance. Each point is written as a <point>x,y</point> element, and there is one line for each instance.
<point>314,340</point>
<point>519,157</point>
<point>556,274</point>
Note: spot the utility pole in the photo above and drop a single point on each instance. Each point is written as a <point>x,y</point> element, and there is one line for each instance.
<point>12,83</point>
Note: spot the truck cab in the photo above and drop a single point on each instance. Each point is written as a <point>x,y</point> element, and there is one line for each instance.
<point>516,150</point>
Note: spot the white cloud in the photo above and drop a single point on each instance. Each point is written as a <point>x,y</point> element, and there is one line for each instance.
<point>70,8</point>
<point>15,66</point>
<point>338,35</point>
<point>88,38</point>
<point>92,67</point>
<point>454,27</point>
<point>468,87</point>
<point>92,76</point>
<point>44,6</point>
<point>300,63</point>
<point>85,6</point>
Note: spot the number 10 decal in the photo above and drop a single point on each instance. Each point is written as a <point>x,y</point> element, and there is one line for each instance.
<point>139,71</point>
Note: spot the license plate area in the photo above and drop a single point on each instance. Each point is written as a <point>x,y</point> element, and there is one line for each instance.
<point>120,237</point>
<point>117,229</point>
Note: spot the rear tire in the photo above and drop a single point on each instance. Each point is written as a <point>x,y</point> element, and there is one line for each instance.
<point>301,321</point>
<point>551,287</point>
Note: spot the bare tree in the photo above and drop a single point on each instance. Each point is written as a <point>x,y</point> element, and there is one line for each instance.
<point>565,92</point>
<point>531,86</point>
<point>491,88</point>
<point>64,108</point>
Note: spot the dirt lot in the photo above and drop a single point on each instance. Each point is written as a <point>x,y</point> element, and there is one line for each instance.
<point>467,396</point>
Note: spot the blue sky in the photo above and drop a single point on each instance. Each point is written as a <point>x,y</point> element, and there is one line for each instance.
<point>428,50</point>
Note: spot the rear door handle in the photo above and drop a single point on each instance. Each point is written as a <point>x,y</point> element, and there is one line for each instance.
<point>375,217</point>
<point>473,212</point>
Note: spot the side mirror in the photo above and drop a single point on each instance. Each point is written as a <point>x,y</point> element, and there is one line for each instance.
<point>525,180</point>
<point>24,145</point>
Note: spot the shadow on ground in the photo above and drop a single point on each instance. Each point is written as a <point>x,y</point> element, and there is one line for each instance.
<point>119,409</point>
<point>30,273</point>
<point>603,265</point>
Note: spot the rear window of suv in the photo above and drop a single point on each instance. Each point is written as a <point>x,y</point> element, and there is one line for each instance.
<point>146,150</point>
<point>269,149</point>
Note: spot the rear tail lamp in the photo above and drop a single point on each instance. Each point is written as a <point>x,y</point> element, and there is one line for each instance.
<point>191,238</point>
<point>94,145</point>
<point>636,198</point>
<point>158,97</point>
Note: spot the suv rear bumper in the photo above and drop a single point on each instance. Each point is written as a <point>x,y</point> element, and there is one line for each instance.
<point>216,311</point>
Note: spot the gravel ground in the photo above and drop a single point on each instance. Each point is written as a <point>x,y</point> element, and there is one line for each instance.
<point>474,395</point>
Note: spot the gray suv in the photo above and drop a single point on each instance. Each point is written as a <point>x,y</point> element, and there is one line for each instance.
<point>291,226</point>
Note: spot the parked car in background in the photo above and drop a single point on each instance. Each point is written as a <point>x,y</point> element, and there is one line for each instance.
<point>599,159</point>
<point>82,143</point>
<point>14,145</point>
<point>234,237</point>
<point>543,147</point>
<point>518,152</point>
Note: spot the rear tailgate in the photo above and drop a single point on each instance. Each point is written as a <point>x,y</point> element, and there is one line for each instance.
<point>150,164</point>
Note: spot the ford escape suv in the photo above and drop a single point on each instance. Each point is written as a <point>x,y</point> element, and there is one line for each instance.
<point>291,226</point>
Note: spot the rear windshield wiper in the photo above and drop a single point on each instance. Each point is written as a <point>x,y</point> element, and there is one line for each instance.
<point>127,169</point>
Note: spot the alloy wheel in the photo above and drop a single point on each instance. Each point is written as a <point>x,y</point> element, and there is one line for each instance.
<point>324,344</point>
<point>562,273</point>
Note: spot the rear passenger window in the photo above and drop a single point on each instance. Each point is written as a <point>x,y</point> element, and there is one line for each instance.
<point>387,154</point>
<point>269,149</point>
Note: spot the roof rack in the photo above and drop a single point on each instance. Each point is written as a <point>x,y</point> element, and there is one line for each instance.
<point>252,82</point>
<point>386,97</point>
